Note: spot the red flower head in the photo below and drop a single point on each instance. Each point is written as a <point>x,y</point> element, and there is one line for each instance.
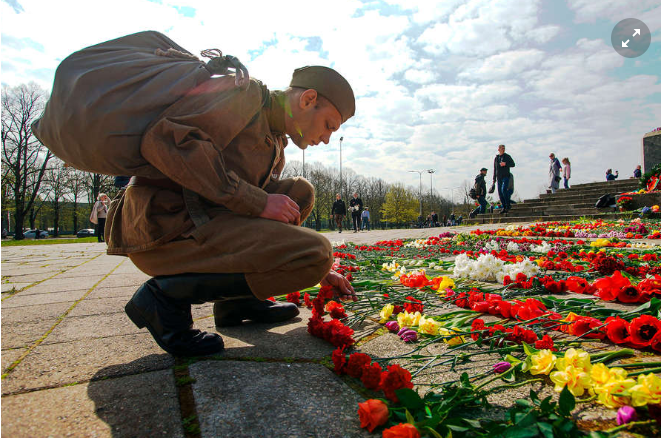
<point>656,342</point>
<point>402,430</point>
<point>339,360</point>
<point>545,343</point>
<point>609,287</point>
<point>643,330</point>
<point>413,305</point>
<point>617,330</point>
<point>629,294</point>
<point>316,327</point>
<point>336,310</point>
<point>371,376</point>
<point>357,362</point>
<point>396,377</point>
<point>294,298</point>
<point>307,300</point>
<point>477,326</point>
<point>372,413</point>
<point>577,284</point>
<point>583,325</point>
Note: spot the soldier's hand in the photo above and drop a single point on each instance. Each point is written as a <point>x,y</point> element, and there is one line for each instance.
<point>280,207</point>
<point>342,288</point>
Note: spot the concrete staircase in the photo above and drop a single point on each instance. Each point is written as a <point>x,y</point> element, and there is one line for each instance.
<point>564,205</point>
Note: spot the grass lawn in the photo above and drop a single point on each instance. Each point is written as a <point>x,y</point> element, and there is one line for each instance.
<point>49,241</point>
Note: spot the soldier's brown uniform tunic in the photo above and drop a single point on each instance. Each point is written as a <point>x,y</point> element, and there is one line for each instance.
<point>227,145</point>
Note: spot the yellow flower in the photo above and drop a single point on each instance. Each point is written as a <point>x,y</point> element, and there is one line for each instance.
<point>454,341</point>
<point>577,358</point>
<point>542,362</point>
<point>647,391</point>
<point>600,375</point>
<point>408,320</point>
<point>447,282</point>
<point>576,379</point>
<point>606,394</point>
<point>428,326</point>
<point>386,312</point>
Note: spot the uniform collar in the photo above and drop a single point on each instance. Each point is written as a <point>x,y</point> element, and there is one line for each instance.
<point>276,114</point>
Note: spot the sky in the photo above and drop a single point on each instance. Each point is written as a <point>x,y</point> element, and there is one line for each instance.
<point>438,84</point>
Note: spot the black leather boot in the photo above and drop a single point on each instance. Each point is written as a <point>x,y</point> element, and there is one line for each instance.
<point>163,305</point>
<point>233,312</point>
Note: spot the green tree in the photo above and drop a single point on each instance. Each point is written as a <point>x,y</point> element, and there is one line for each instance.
<point>400,206</point>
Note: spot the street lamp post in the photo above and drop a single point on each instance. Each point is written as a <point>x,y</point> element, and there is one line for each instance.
<point>341,139</point>
<point>431,188</point>
<point>420,174</point>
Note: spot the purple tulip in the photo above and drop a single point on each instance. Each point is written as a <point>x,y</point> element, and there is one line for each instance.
<point>501,367</point>
<point>392,326</point>
<point>409,335</point>
<point>626,414</point>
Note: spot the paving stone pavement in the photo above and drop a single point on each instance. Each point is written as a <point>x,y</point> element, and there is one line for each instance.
<point>75,366</point>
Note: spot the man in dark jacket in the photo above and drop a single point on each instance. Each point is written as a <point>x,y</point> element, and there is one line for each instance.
<point>481,191</point>
<point>501,173</point>
<point>356,206</point>
<point>338,211</point>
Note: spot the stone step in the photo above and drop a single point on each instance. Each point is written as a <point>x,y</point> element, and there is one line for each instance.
<point>562,194</point>
<point>508,218</point>
<point>630,182</point>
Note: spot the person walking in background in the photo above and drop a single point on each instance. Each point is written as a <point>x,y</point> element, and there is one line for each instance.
<point>434,218</point>
<point>99,215</point>
<point>610,176</point>
<point>554,173</point>
<point>480,187</point>
<point>365,217</point>
<point>356,206</point>
<point>566,172</point>
<point>637,173</point>
<point>501,174</point>
<point>339,210</point>
<point>445,221</point>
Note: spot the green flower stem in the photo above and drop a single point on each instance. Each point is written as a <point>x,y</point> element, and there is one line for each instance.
<point>629,425</point>
<point>640,372</point>
<point>497,377</point>
<point>514,385</point>
<point>636,365</point>
<point>604,357</point>
<point>592,398</point>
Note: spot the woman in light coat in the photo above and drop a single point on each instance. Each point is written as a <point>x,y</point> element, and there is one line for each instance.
<point>100,212</point>
<point>566,171</point>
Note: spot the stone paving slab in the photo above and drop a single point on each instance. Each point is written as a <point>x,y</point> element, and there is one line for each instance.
<point>92,327</point>
<point>144,405</point>
<point>33,313</point>
<point>246,399</point>
<point>58,364</point>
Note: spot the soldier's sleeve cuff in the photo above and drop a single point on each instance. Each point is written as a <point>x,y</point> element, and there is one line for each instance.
<point>247,200</point>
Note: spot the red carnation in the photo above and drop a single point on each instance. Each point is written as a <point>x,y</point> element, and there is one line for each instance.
<point>396,377</point>
<point>477,326</point>
<point>294,298</point>
<point>371,376</point>
<point>545,343</point>
<point>357,362</point>
<point>336,310</point>
<point>643,329</point>
<point>307,300</point>
<point>656,342</point>
<point>339,360</point>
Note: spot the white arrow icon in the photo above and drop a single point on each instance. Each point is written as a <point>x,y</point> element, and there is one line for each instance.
<point>636,33</point>
<point>624,43</point>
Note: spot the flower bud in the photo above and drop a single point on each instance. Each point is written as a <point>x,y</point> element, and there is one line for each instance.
<point>501,367</point>
<point>392,326</point>
<point>402,330</point>
<point>626,414</point>
<point>409,335</point>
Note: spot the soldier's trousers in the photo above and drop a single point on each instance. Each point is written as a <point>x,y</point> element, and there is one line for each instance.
<point>276,258</point>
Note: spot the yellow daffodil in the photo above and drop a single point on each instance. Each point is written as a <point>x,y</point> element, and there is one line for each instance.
<point>576,379</point>
<point>577,358</point>
<point>386,312</point>
<point>646,391</point>
<point>408,320</point>
<point>446,282</point>
<point>542,362</point>
<point>454,341</point>
<point>428,326</point>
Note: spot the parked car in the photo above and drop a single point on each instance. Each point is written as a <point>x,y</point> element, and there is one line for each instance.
<point>32,233</point>
<point>83,233</point>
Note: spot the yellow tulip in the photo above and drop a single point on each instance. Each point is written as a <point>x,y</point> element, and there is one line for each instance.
<point>576,380</point>
<point>647,391</point>
<point>386,312</point>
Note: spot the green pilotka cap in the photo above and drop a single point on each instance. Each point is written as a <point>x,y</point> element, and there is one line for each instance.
<point>329,84</point>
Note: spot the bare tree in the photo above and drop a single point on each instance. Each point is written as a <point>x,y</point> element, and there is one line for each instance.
<point>76,188</point>
<point>23,156</point>
<point>56,185</point>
